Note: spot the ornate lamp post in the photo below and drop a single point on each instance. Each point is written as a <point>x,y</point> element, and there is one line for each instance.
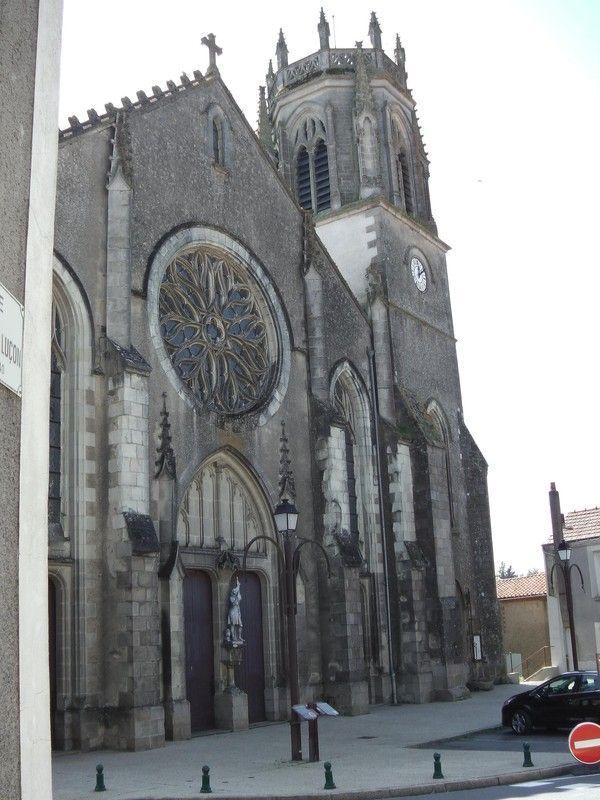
<point>286,520</point>
<point>563,551</point>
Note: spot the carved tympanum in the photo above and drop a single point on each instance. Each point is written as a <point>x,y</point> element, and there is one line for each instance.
<point>217,330</point>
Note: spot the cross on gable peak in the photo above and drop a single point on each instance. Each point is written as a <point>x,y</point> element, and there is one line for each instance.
<point>213,51</point>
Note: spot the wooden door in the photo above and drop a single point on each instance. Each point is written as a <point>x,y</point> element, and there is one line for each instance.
<point>52,654</point>
<point>250,675</point>
<point>199,653</point>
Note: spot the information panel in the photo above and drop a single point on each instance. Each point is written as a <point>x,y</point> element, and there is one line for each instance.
<point>11,341</point>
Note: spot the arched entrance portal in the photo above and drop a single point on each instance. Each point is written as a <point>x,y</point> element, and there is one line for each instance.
<point>250,674</point>
<point>199,648</point>
<point>222,509</point>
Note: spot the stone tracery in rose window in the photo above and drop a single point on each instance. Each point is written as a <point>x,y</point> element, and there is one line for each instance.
<point>217,330</point>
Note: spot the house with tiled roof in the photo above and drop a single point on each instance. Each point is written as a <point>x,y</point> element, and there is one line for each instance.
<point>524,615</point>
<point>581,531</point>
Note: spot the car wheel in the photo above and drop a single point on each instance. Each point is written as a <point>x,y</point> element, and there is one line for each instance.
<point>520,722</point>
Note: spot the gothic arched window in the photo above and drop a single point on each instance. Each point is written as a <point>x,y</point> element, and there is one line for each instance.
<point>57,364</point>
<point>312,166</point>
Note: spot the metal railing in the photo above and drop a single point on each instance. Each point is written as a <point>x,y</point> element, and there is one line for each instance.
<point>533,663</point>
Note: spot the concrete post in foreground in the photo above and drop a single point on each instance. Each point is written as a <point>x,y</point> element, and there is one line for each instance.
<point>29,66</point>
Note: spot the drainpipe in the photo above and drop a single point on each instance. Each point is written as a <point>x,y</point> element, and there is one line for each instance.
<point>386,581</point>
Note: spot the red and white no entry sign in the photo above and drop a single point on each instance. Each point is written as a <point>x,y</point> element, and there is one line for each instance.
<point>584,742</point>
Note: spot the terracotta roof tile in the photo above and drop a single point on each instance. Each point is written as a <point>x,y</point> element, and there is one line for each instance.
<point>583,524</point>
<point>526,586</point>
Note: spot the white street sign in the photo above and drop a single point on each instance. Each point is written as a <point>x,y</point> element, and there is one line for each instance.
<point>11,341</point>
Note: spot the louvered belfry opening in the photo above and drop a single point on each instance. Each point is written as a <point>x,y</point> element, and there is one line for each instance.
<point>303,179</point>
<point>404,176</point>
<point>322,191</point>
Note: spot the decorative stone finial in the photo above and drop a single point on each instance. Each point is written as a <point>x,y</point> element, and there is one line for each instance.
<point>375,32</point>
<point>399,52</point>
<point>270,74</point>
<point>120,157</point>
<point>281,51</point>
<point>287,487</point>
<point>323,28</point>
<point>213,51</point>
<point>166,457</point>
<point>363,99</point>
<point>265,129</point>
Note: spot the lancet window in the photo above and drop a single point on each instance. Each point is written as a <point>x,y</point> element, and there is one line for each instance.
<point>438,421</point>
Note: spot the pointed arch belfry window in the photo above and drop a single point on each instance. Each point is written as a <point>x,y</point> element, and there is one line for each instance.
<point>313,189</point>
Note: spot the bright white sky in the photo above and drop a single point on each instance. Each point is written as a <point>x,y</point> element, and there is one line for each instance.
<point>508,99</point>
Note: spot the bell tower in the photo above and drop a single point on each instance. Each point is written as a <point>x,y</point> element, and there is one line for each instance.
<point>346,133</point>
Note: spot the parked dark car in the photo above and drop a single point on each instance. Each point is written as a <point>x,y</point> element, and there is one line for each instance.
<point>561,702</point>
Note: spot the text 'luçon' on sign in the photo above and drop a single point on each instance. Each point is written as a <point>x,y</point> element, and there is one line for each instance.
<point>11,341</point>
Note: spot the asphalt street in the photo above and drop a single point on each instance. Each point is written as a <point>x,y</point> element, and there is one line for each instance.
<point>502,739</point>
<point>571,788</point>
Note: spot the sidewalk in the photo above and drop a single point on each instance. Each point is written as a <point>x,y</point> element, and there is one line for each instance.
<point>371,757</point>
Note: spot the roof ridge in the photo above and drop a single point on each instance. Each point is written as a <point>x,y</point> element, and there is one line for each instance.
<point>143,101</point>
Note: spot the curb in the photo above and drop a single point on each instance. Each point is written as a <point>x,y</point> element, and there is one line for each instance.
<point>522,776</point>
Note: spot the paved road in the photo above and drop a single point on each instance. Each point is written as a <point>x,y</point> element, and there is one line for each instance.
<point>571,788</point>
<point>504,740</point>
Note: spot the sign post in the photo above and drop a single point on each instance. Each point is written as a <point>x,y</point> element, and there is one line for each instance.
<point>11,341</point>
<point>584,742</point>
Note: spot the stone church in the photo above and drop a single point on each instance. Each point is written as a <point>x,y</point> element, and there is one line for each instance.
<point>225,299</point>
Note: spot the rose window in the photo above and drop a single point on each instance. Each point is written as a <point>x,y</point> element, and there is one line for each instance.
<point>217,330</point>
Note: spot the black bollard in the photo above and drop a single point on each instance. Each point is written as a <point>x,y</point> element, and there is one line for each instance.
<point>437,766</point>
<point>329,784</point>
<point>205,781</point>
<point>100,787</point>
<point>527,762</point>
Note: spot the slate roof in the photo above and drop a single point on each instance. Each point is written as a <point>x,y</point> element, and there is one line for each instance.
<point>517,588</point>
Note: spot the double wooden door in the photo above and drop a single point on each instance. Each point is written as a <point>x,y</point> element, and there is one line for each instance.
<point>199,649</point>
<point>250,675</point>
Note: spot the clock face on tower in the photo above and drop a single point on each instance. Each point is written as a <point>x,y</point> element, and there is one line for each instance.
<point>418,273</point>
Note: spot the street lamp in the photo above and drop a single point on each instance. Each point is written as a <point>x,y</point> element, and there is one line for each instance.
<point>563,551</point>
<point>286,520</point>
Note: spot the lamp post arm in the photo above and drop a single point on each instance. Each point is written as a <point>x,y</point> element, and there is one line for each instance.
<point>576,566</point>
<point>256,539</point>
<point>304,541</point>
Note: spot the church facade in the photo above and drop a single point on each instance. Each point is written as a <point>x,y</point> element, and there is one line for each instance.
<point>223,298</point>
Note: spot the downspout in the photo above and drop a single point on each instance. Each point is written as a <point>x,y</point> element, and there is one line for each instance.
<point>386,581</point>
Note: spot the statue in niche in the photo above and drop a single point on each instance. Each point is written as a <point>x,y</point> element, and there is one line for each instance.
<point>234,628</point>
